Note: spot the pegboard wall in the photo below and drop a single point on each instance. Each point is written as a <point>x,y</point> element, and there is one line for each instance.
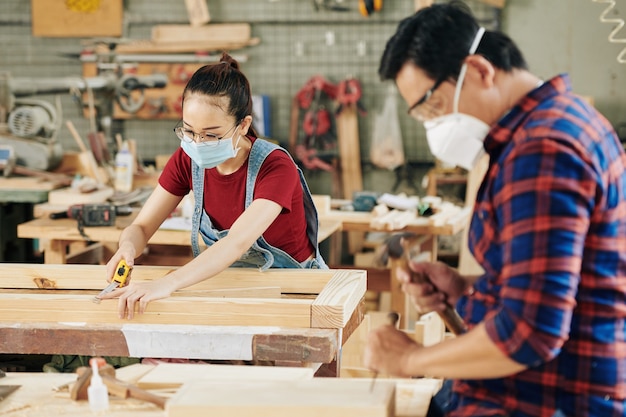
<point>296,42</point>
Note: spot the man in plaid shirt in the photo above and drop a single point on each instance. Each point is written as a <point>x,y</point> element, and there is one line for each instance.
<point>547,318</point>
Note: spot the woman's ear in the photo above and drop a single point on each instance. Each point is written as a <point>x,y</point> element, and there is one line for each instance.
<point>245,125</point>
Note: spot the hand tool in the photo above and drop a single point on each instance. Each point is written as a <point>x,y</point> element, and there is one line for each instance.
<point>392,319</point>
<point>400,246</point>
<point>119,280</point>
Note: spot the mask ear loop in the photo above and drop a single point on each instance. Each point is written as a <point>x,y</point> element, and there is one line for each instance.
<point>459,84</point>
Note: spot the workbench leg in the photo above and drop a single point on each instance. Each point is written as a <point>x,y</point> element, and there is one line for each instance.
<point>55,251</point>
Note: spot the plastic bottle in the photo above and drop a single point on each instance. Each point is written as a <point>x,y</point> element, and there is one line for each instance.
<point>97,392</point>
<point>124,168</point>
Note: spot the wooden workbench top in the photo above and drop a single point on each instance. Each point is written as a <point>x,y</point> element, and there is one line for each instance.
<point>38,396</point>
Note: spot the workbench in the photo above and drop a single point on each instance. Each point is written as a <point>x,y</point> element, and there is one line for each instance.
<point>62,242</point>
<point>41,394</point>
<point>383,279</point>
<point>291,317</point>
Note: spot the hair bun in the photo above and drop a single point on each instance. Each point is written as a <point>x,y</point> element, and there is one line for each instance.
<point>227,59</point>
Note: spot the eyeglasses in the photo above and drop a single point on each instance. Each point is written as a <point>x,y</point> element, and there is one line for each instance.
<point>422,113</point>
<point>189,136</point>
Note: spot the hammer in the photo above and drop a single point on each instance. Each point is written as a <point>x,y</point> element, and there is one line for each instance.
<point>118,388</point>
<point>401,246</point>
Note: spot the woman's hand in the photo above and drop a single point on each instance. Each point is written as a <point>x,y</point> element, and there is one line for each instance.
<point>431,285</point>
<point>389,350</point>
<point>136,296</point>
<point>125,252</point>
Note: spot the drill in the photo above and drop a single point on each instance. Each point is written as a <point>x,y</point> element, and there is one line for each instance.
<point>91,215</point>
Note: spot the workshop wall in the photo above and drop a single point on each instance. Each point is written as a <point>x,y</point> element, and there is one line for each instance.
<point>298,42</point>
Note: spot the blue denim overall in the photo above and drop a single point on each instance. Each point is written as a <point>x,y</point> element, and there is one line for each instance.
<point>261,255</point>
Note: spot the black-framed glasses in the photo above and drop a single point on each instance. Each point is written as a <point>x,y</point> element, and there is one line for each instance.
<point>415,110</point>
<point>188,135</point>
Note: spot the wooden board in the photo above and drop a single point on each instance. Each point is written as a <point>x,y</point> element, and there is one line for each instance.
<point>334,304</point>
<point>69,196</point>
<point>61,18</point>
<point>173,375</point>
<point>92,277</point>
<point>27,183</point>
<point>313,398</point>
<point>223,32</point>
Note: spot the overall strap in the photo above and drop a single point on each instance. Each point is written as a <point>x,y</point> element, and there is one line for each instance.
<point>197,178</point>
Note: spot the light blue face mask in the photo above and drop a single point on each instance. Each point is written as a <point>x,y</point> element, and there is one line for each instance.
<point>210,154</point>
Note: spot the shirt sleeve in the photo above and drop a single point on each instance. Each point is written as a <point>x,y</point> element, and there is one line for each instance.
<point>544,197</point>
<point>176,175</point>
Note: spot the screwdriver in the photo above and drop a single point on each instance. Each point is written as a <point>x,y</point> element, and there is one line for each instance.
<point>392,319</point>
<point>119,280</point>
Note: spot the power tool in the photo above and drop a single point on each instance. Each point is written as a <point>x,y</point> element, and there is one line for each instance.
<point>91,215</point>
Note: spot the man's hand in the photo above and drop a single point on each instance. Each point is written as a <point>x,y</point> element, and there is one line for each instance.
<point>431,284</point>
<point>389,351</point>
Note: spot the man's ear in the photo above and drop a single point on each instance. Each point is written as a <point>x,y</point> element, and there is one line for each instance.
<point>481,69</point>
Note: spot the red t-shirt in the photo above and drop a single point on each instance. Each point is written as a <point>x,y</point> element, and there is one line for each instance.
<point>224,197</point>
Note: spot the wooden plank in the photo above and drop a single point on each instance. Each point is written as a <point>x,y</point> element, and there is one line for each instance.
<point>92,277</point>
<point>27,183</point>
<point>222,32</point>
<point>312,398</point>
<point>173,375</point>
<point>334,305</point>
<point>149,47</point>
<point>68,196</point>
<point>26,308</point>
<point>171,341</point>
<point>468,265</point>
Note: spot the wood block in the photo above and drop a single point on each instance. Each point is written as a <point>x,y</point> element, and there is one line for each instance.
<point>68,196</point>
<point>352,350</point>
<point>335,303</point>
<point>429,329</point>
<point>330,397</point>
<point>322,203</point>
<point>173,375</point>
<point>198,12</point>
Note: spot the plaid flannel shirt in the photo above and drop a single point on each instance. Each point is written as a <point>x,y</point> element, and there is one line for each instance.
<point>549,228</point>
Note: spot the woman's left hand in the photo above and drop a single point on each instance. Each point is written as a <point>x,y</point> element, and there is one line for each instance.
<point>137,295</point>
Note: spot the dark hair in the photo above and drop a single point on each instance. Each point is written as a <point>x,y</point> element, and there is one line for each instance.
<point>224,80</point>
<point>438,38</point>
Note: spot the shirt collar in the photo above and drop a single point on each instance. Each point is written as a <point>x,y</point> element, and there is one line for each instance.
<point>500,133</point>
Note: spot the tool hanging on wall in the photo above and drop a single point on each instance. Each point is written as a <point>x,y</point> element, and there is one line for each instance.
<point>312,136</point>
<point>367,7</point>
